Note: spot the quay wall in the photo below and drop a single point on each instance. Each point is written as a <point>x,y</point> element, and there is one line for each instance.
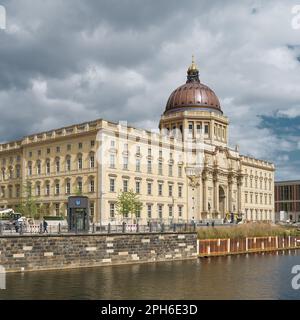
<point>46,252</point>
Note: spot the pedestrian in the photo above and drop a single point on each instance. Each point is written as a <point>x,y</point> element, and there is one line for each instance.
<point>45,226</point>
<point>17,225</point>
<point>193,221</point>
<point>213,224</point>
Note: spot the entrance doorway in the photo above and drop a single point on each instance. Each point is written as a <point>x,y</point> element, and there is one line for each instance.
<point>222,201</point>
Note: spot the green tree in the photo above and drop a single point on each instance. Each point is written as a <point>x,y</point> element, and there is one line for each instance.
<point>128,204</point>
<point>28,207</point>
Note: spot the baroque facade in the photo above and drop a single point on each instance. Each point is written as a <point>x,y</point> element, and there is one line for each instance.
<point>184,171</point>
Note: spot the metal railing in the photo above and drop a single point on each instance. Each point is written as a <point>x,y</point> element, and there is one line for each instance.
<point>96,228</point>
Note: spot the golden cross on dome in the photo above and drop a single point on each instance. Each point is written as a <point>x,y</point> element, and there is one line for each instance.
<point>193,66</point>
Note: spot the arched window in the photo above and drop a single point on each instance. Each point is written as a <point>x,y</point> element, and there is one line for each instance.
<point>79,161</point>
<point>57,165</point>
<point>29,168</point>
<point>68,186</point>
<point>68,163</point>
<point>57,187</point>
<point>91,184</point>
<point>79,185</point>
<point>38,189</point>
<point>92,160</point>
<point>48,166</point>
<point>38,167</point>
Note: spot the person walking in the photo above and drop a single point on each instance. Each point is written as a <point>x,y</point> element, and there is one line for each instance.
<point>45,226</point>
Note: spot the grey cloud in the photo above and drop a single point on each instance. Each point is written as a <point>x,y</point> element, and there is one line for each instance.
<point>139,51</point>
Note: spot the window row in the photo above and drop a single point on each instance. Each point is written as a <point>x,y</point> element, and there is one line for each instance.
<point>49,189</point>
<point>149,188</point>
<point>58,149</point>
<point>38,168</point>
<point>150,210</point>
<point>258,198</point>
<point>263,184</point>
<point>149,166</point>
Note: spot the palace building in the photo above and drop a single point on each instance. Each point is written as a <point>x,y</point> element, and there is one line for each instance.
<point>183,171</point>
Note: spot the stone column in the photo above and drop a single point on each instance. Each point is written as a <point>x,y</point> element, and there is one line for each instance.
<point>239,195</point>
<point>204,193</point>
<point>216,195</point>
<point>229,196</point>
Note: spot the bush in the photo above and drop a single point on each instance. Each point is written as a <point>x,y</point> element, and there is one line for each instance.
<point>245,230</point>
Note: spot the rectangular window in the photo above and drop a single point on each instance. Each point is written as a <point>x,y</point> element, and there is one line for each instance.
<point>149,211</point>
<point>80,145</point>
<point>180,191</point>
<point>199,129</point>
<point>170,190</point>
<point>92,143</point>
<point>149,188</point>
<point>160,189</point>
<point>170,170</point>
<point>69,147</point>
<point>206,129</point>
<point>180,172</point>
<point>57,149</point>
<point>112,162</point>
<point>48,150</point>
<point>125,163</point>
<point>160,211</point>
<point>138,165</point>
<point>125,185</point>
<point>92,209</point>
<point>149,152</point>
<point>180,211</point>
<point>191,127</point>
<point>112,210</point>
<point>57,209</point>
<point>160,167</point>
<point>112,185</point>
<point>171,211</point>
<point>149,166</point>
<point>138,187</point>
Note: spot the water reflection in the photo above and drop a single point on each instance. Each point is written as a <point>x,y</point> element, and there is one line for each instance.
<point>254,276</point>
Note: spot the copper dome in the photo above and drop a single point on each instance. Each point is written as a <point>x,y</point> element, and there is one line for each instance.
<point>193,95</point>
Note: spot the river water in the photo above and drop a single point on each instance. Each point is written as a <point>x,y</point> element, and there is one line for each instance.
<point>255,276</point>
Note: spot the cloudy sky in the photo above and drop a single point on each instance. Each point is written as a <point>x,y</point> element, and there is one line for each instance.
<point>65,62</point>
